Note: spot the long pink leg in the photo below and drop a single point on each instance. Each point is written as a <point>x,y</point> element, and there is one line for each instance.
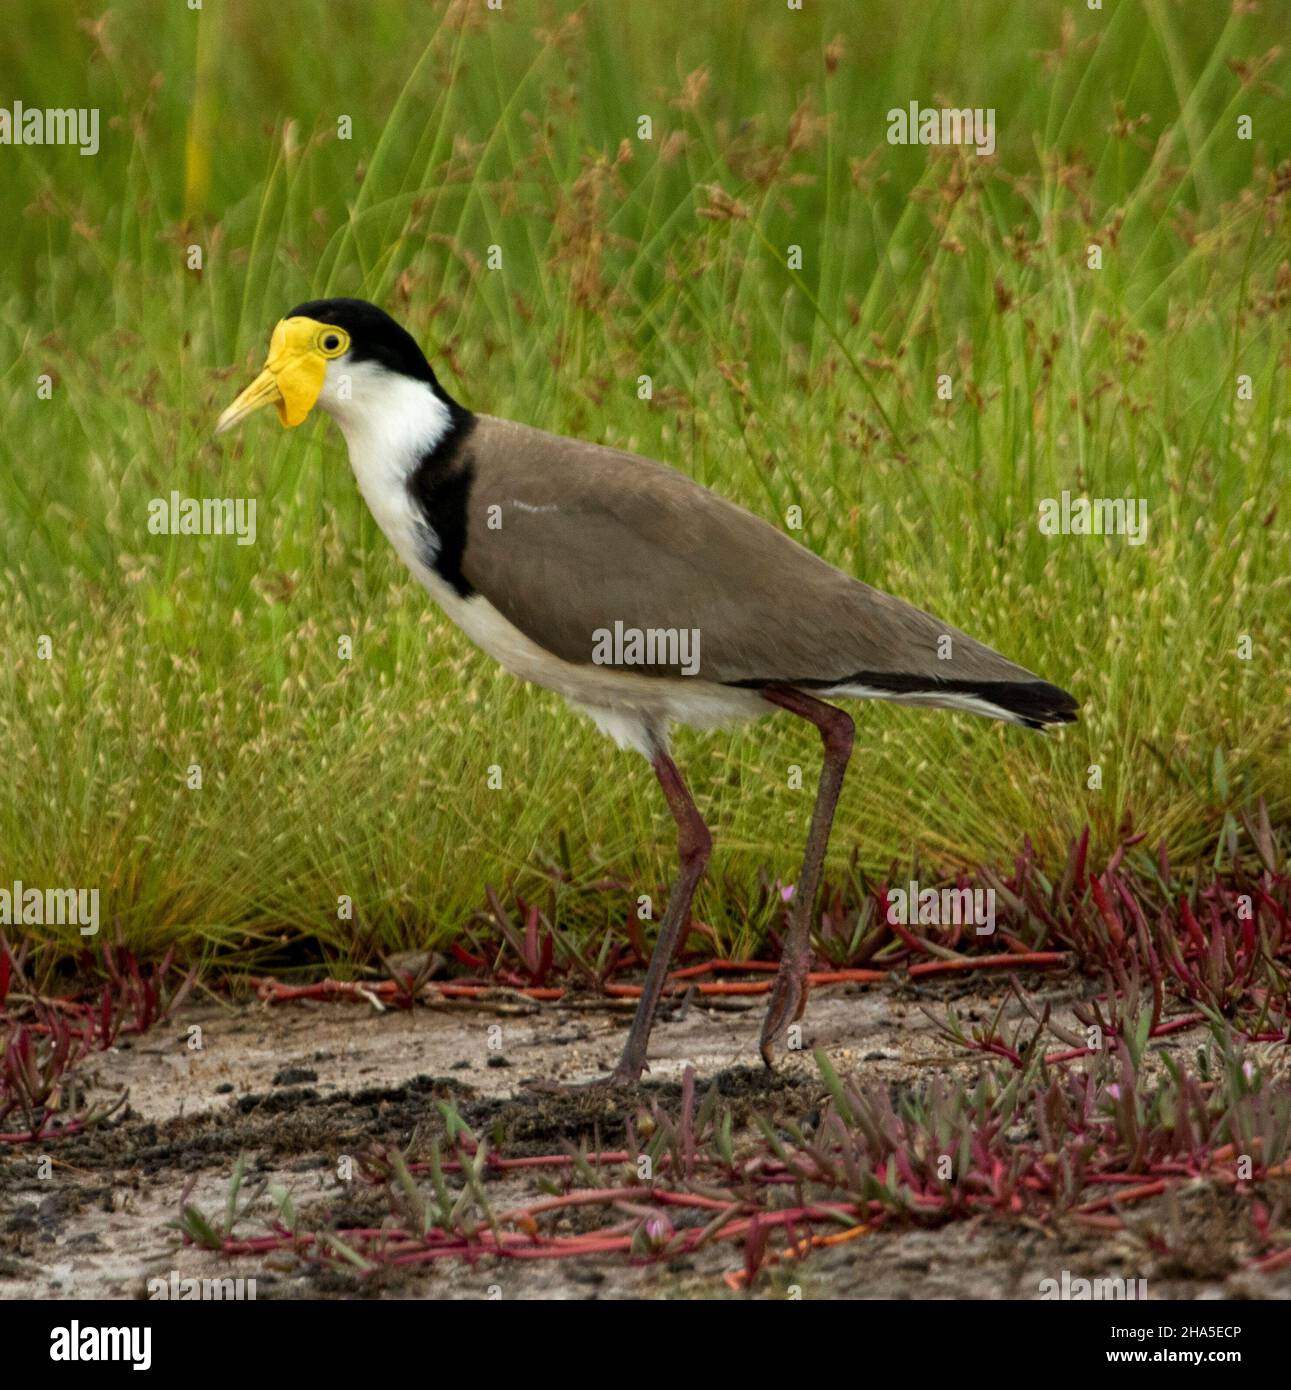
<point>693,846</point>
<point>789,993</point>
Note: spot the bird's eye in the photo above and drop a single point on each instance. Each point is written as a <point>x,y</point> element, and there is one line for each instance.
<point>331,342</point>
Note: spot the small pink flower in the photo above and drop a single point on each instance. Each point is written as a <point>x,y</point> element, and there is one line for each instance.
<point>786,892</point>
<point>658,1231</point>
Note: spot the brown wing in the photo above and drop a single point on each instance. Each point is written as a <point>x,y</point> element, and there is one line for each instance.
<point>567,538</point>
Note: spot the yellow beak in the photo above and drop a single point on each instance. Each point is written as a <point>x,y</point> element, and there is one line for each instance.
<point>292,378</point>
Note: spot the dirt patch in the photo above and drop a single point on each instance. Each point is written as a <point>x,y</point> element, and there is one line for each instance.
<point>298,1089</point>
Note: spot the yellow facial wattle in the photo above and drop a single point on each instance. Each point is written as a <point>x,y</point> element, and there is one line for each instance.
<point>293,374</point>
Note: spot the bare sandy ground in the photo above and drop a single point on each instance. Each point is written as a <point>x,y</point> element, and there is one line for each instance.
<point>295,1087</point>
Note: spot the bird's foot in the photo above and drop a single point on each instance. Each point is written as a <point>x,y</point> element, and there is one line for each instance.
<point>786,1005</point>
<point>625,1074</point>
<point>612,1081</point>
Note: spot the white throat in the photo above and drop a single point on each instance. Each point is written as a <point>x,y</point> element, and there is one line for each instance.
<point>389,422</point>
<point>383,413</point>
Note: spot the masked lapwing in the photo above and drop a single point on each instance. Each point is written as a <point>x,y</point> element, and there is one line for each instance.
<point>640,596</point>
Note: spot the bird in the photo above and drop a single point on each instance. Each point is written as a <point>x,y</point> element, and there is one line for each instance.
<point>642,597</point>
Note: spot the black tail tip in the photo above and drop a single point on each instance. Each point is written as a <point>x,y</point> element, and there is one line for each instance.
<point>1037,704</point>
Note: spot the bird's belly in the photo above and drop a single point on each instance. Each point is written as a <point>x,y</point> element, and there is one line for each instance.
<point>633,709</point>
<point>659,700</point>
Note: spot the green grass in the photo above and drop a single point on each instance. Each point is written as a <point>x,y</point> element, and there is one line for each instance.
<point>812,388</point>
